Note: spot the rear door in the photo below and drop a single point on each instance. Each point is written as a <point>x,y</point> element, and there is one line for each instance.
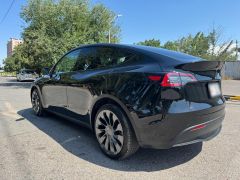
<point>79,85</point>
<point>87,81</point>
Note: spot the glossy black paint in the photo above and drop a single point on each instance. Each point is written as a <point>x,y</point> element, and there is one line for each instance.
<point>161,117</point>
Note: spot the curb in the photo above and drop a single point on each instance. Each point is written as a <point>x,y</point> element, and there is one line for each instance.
<point>232,97</point>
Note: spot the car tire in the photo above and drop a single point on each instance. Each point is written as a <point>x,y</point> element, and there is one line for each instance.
<point>114,132</point>
<point>37,103</point>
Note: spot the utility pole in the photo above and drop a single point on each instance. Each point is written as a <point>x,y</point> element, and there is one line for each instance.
<point>109,31</point>
<point>109,35</point>
<point>237,50</point>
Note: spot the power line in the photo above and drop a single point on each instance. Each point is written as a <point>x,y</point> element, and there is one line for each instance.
<point>5,15</point>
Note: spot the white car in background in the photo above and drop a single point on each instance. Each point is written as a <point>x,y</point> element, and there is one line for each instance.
<point>27,75</point>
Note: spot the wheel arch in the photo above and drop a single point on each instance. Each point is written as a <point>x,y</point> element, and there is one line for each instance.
<point>108,99</point>
<point>39,92</point>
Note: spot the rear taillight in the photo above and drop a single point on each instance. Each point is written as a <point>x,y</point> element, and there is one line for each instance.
<point>176,79</point>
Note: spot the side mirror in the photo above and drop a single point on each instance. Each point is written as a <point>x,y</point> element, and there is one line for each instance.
<point>45,71</point>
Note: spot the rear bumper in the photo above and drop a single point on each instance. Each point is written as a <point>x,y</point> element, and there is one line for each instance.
<point>180,129</point>
<point>201,138</point>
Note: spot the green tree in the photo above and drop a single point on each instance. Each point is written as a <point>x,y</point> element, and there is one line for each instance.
<point>150,42</point>
<point>172,45</point>
<point>196,45</point>
<point>205,46</point>
<point>54,27</point>
<point>17,60</point>
<point>218,50</point>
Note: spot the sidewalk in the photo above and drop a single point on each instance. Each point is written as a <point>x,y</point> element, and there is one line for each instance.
<point>231,87</point>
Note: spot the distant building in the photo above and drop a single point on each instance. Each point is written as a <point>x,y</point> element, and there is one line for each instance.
<point>12,43</point>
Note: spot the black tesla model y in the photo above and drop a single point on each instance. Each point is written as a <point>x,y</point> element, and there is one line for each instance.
<point>134,96</point>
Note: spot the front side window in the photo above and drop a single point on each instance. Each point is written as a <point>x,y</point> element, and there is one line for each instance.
<point>67,63</point>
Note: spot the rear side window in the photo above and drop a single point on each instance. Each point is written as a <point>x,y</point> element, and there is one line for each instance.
<point>114,56</point>
<point>87,59</point>
<point>102,57</point>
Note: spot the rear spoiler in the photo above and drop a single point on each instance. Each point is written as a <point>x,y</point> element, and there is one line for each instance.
<point>204,68</point>
<point>201,66</point>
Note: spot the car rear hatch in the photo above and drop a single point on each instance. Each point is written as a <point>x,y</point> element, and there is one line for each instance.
<point>207,83</point>
<point>192,86</point>
<point>197,112</point>
<point>195,76</point>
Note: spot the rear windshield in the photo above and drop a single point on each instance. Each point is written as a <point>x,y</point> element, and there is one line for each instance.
<point>170,53</point>
<point>168,57</point>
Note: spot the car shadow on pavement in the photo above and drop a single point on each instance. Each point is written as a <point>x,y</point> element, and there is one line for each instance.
<point>81,142</point>
<point>17,84</point>
<point>11,79</point>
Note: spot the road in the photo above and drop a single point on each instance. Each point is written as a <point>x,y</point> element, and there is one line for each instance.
<point>53,148</point>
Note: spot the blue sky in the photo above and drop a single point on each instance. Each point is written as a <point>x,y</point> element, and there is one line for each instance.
<point>160,19</point>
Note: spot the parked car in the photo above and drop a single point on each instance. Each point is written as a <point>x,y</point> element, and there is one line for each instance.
<point>27,75</point>
<point>132,96</point>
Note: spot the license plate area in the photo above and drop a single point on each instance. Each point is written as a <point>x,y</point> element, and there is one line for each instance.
<point>214,89</point>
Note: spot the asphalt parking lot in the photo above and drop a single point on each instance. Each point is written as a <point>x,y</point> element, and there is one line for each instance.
<point>53,148</point>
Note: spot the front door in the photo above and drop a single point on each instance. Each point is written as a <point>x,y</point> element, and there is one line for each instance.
<point>55,90</point>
